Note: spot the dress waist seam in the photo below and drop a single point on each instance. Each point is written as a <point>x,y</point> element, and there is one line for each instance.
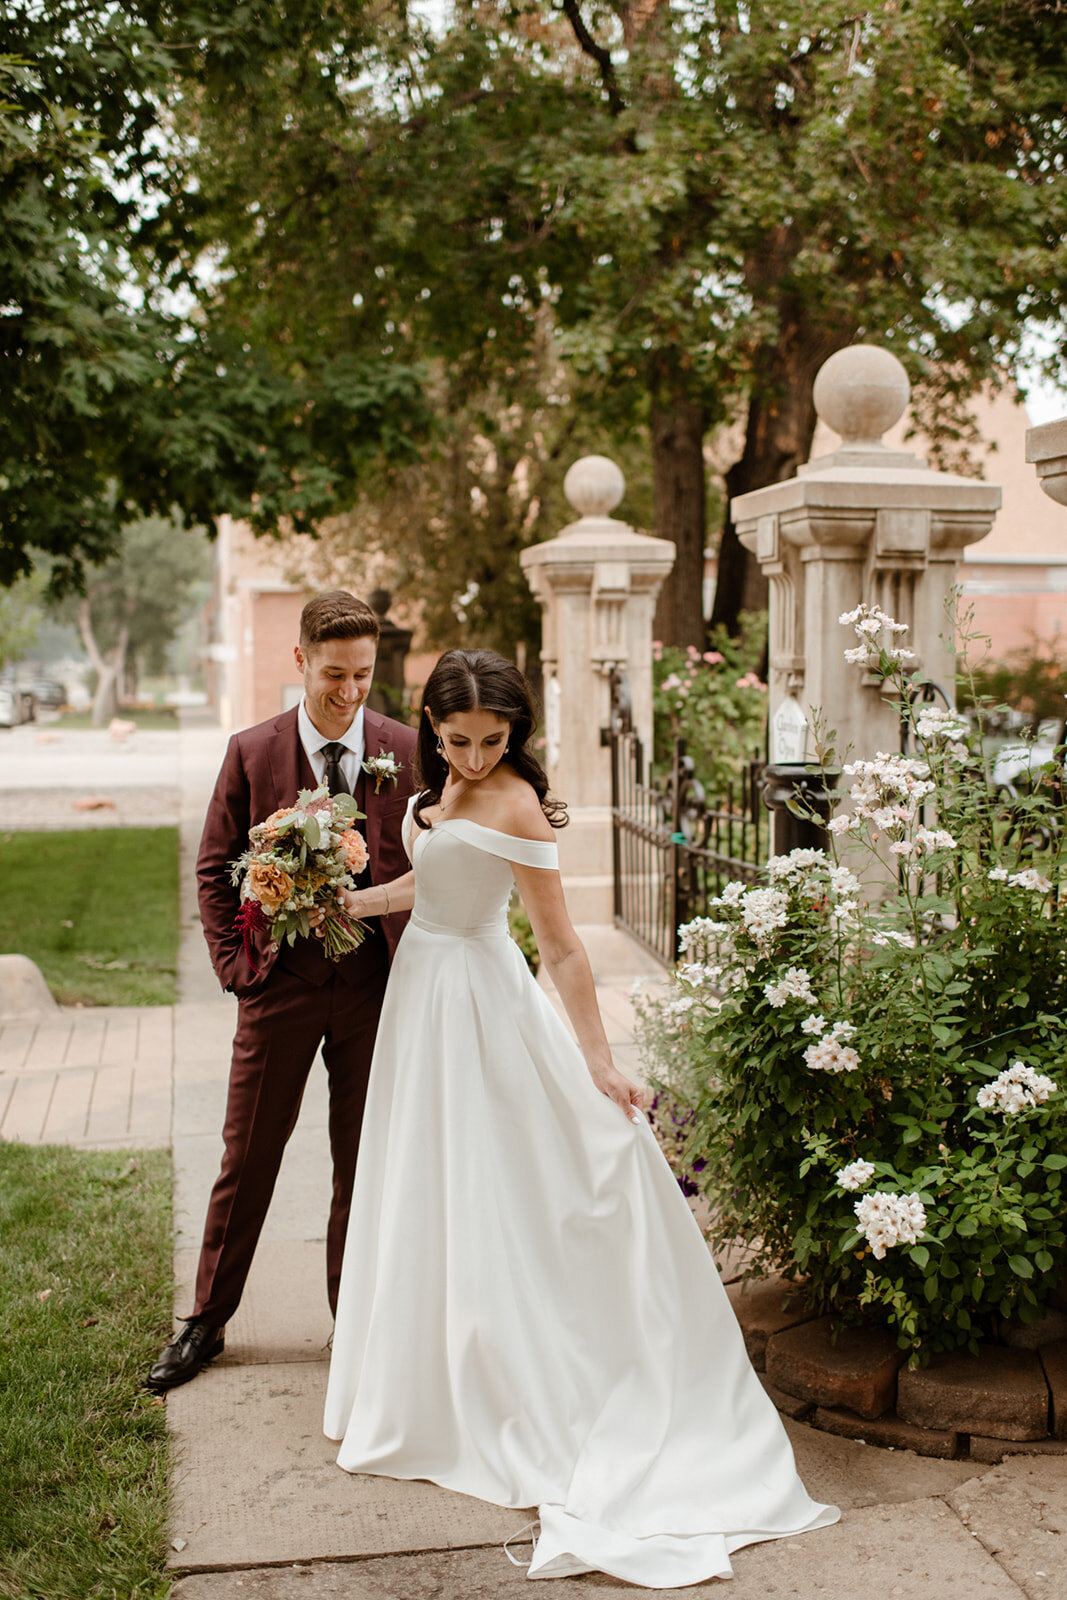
<point>482,930</point>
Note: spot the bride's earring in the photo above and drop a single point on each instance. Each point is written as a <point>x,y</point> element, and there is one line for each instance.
<point>441,751</point>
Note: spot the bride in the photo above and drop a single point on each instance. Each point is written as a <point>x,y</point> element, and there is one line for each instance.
<point>528,1312</point>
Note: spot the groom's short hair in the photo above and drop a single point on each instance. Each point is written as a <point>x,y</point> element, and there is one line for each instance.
<point>337,615</point>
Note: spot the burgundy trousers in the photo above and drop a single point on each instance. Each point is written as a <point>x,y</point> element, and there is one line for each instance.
<point>279,1029</point>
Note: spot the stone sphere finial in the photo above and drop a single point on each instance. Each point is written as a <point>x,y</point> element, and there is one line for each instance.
<point>861,392</point>
<point>594,486</point>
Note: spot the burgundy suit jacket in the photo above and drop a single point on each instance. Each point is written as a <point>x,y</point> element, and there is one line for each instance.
<point>262,771</point>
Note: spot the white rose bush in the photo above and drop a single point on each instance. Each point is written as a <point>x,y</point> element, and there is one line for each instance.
<point>869,1085</point>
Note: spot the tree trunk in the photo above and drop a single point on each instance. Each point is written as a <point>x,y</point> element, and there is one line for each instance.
<point>680,509</point>
<point>109,666</point>
<point>106,698</point>
<point>780,428</point>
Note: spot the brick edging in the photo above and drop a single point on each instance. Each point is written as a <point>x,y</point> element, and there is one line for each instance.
<point>1003,1401</point>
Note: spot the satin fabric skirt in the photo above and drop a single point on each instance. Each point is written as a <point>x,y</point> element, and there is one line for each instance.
<point>528,1312</point>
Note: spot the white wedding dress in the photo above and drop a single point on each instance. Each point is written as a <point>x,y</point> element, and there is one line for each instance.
<point>528,1311</point>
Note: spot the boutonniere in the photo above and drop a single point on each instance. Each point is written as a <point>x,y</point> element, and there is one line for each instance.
<point>382,766</point>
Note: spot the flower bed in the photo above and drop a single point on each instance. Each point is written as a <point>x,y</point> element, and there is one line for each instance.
<point>868,1084</point>
<point>715,701</point>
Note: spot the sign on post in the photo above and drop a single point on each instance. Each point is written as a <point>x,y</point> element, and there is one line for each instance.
<point>789,734</point>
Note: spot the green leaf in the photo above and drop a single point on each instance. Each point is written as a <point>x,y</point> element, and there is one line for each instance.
<point>1022,1266</point>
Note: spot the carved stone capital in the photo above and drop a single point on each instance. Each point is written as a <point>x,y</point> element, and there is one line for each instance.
<point>1046,447</point>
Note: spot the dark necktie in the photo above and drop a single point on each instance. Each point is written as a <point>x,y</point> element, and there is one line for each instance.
<point>333,777</point>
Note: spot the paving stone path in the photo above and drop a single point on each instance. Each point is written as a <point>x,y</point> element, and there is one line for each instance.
<point>259,1510</point>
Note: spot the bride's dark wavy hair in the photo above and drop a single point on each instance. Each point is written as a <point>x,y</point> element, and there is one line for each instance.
<point>479,680</point>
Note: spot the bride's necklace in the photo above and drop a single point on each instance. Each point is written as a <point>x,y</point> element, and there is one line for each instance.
<point>457,791</point>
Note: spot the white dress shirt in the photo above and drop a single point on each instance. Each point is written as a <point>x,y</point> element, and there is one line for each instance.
<point>313,741</point>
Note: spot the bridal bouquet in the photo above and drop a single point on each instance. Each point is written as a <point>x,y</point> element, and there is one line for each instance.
<point>296,860</point>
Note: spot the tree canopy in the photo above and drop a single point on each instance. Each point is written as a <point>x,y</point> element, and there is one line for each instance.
<point>20,616</point>
<point>695,205</point>
<point>76,356</point>
<point>116,396</point>
<point>418,264</point>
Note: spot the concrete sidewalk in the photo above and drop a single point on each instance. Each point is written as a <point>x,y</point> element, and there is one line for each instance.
<point>260,1510</point>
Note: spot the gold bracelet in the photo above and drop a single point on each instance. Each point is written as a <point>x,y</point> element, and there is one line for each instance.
<point>385,891</point>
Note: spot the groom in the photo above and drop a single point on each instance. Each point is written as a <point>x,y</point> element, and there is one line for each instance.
<point>290,1000</point>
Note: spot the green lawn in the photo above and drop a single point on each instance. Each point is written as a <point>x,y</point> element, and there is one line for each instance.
<point>97,910</point>
<point>155,717</point>
<point>85,1296</point>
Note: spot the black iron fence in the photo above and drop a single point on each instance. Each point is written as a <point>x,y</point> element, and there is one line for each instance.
<point>672,852</point>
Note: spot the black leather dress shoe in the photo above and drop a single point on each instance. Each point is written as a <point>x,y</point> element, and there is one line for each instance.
<point>198,1343</point>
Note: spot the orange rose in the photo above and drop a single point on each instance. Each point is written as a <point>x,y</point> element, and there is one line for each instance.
<point>355,849</point>
<point>278,816</point>
<point>269,884</point>
<point>269,830</point>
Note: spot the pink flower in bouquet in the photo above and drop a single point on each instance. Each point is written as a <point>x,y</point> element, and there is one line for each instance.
<point>267,831</point>
<point>355,850</point>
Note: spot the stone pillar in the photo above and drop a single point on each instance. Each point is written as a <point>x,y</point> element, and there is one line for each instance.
<point>1046,447</point>
<point>863,523</point>
<point>597,583</point>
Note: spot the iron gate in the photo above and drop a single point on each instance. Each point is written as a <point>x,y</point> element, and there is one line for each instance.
<point>672,852</point>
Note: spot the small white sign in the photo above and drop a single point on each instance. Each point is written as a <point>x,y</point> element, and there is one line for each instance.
<point>789,734</point>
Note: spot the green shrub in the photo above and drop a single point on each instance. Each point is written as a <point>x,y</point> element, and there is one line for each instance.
<point>904,1055</point>
<point>521,931</point>
<point>716,702</point>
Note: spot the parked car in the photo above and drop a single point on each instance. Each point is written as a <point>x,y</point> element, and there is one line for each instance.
<point>1017,762</point>
<point>9,709</point>
<point>24,700</point>
<point>49,693</point>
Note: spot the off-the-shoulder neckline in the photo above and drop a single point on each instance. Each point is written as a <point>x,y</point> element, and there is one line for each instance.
<point>469,822</point>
